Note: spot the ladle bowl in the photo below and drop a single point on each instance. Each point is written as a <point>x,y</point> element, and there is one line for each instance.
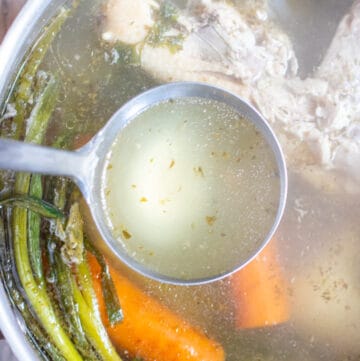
<point>86,165</point>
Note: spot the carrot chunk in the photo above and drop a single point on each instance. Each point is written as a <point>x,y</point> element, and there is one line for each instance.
<point>149,330</point>
<point>260,292</point>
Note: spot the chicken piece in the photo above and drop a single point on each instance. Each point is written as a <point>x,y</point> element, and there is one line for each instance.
<point>341,67</point>
<point>128,21</point>
<point>221,44</point>
<point>343,54</point>
<point>303,115</point>
<point>243,51</point>
<point>322,113</point>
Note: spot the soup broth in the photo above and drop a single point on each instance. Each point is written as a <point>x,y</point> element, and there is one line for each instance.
<point>169,174</point>
<point>191,188</point>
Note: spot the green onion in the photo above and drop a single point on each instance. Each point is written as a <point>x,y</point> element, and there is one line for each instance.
<point>37,296</point>
<point>33,326</point>
<point>65,288</point>
<point>112,304</point>
<point>34,223</point>
<point>93,326</point>
<point>87,302</point>
<point>167,19</point>
<point>34,329</point>
<point>24,91</point>
<point>63,284</point>
<point>35,205</point>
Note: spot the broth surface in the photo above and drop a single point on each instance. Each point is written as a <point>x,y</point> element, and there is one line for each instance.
<point>318,241</point>
<point>191,188</point>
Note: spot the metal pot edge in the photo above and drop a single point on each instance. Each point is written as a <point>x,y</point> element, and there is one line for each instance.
<point>18,40</point>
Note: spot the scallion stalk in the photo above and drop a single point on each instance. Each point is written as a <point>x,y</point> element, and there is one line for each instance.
<point>112,303</point>
<point>37,296</point>
<point>35,205</point>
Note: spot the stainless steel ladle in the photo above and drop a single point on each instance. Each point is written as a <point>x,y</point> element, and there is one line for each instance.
<point>86,165</point>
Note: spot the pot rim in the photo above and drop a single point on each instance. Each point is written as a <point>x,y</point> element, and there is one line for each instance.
<point>16,43</point>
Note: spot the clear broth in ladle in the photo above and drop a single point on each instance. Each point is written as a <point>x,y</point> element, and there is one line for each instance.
<point>191,188</point>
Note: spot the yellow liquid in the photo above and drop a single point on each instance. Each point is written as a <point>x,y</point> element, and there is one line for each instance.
<point>190,188</point>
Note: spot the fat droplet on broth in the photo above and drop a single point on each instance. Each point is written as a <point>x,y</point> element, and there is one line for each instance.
<point>196,194</point>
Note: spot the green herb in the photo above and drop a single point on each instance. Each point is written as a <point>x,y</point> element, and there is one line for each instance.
<point>128,54</point>
<point>64,297</point>
<point>90,315</point>
<point>36,293</point>
<point>42,111</point>
<point>168,13</point>
<point>82,290</point>
<point>25,88</point>
<point>112,303</point>
<point>35,205</point>
<point>73,238</point>
<point>166,20</point>
<point>63,290</point>
<point>34,222</point>
<point>38,88</point>
<point>61,309</point>
<point>34,330</point>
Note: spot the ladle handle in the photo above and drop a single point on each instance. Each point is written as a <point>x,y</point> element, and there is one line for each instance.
<point>26,157</point>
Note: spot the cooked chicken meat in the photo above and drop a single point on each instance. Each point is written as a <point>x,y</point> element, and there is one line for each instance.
<point>322,112</point>
<point>221,47</point>
<point>341,67</point>
<point>244,51</point>
<point>128,21</point>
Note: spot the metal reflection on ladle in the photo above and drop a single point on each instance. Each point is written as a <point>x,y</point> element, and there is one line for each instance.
<point>88,168</point>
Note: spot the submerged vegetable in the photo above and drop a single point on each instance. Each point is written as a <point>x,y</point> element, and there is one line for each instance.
<point>17,299</point>
<point>260,291</point>
<point>35,97</point>
<point>113,309</point>
<point>63,296</point>
<point>63,288</point>
<point>73,290</point>
<point>324,286</point>
<point>167,18</point>
<point>150,330</point>
<point>86,300</point>
<point>33,204</point>
<point>34,221</point>
<point>24,92</point>
<point>35,292</point>
<point>51,287</point>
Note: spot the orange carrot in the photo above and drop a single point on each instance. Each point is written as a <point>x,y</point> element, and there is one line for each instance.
<point>150,330</point>
<point>260,291</point>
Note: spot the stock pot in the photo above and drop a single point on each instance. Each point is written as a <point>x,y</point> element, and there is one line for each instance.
<point>313,215</point>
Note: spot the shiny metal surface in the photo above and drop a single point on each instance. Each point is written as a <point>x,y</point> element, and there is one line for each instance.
<point>85,166</point>
<point>8,12</point>
<point>16,43</point>
<point>138,105</point>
